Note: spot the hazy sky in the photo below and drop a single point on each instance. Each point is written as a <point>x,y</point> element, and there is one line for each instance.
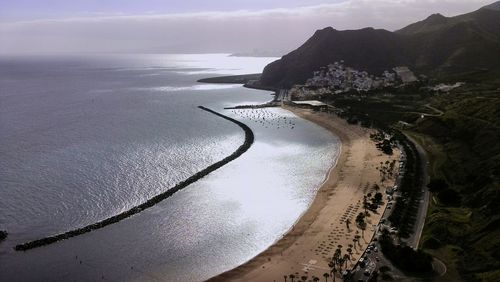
<point>197,26</point>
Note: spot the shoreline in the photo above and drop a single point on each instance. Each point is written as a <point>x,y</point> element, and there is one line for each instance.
<point>295,248</point>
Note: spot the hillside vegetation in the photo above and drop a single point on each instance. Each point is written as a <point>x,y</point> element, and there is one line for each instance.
<point>464,222</point>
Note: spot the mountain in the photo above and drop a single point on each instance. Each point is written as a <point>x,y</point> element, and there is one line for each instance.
<point>368,49</point>
<point>494,6</point>
<point>438,46</point>
<point>432,23</point>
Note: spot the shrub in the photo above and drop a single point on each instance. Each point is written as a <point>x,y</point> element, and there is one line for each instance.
<point>405,258</point>
<point>437,184</point>
<point>432,243</point>
<point>450,197</point>
<point>3,235</point>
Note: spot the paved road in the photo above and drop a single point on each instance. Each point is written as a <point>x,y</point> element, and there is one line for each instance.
<point>377,258</point>
<point>414,239</point>
<point>438,111</point>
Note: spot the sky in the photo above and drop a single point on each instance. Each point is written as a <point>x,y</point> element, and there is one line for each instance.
<point>198,26</point>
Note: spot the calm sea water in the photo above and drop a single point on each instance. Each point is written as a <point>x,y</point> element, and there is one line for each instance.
<point>83,138</point>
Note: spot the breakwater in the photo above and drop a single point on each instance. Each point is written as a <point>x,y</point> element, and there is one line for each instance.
<point>271,104</point>
<point>249,139</point>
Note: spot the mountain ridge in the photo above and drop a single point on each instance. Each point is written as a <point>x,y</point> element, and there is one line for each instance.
<point>437,46</point>
<point>493,6</point>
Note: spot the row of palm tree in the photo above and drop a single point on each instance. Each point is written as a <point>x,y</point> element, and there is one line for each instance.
<point>387,170</point>
<point>340,260</point>
<point>372,203</point>
<point>337,264</point>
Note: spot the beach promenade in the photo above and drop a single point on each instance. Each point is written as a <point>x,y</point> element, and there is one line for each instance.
<point>307,248</point>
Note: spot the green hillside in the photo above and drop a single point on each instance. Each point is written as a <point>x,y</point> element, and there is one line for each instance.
<point>463,225</point>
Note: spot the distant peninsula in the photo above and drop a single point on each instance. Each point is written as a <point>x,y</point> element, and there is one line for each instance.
<point>233,79</point>
<point>248,80</point>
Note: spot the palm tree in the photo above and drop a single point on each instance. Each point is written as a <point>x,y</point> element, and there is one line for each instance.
<point>347,222</point>
<point>304,278</point>
<point>360,218</point>
<point>334,271</point>
<point>285,277</point>
<point>365,205</point>
<point>340,263</point>
<point>292,277</point>
<point>326,275</point>
<point>349,251</point>
<point>315,279</point>
<point>363,227</point>
<point>357,240</point>
<point>347,258</point>
<point>337,255</point>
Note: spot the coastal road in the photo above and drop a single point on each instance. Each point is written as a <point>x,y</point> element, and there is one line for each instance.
<point>374,261</point>
<point>414,239</point>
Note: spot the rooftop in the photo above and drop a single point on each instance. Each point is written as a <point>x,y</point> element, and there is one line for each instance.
<point>314,103</point>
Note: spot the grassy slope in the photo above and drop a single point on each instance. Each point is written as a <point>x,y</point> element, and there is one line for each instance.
<point>463,149</point>
<point>466,153</point>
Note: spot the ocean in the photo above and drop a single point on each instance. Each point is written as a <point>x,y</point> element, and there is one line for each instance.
<point>85,137</point>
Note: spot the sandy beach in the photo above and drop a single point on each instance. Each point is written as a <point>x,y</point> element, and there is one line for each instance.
<point>306,249</point>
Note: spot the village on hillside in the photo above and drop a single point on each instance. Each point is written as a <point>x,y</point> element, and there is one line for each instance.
<point>336,78</point>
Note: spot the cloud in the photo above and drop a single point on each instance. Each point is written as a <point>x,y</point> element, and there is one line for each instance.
<point>273,29</point>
